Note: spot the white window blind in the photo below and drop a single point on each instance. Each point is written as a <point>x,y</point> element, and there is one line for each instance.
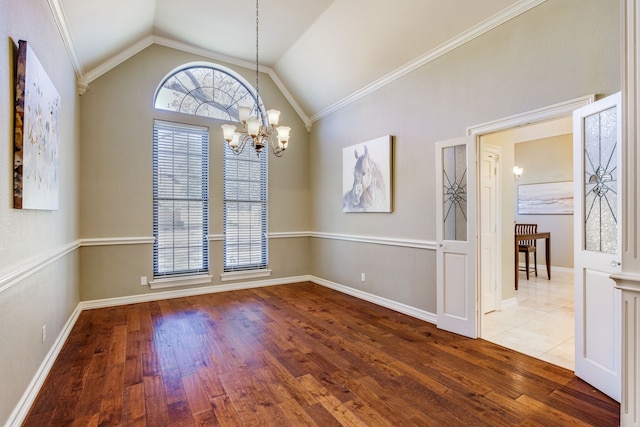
<point>180,199</point>
<point>245,210</point>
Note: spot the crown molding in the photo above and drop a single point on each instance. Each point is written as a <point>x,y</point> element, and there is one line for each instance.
<point>61,22</point>
<point>463,38</point>
<point>105,67</point>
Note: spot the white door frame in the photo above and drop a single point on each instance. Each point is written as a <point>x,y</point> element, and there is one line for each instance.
<point>555,111</point>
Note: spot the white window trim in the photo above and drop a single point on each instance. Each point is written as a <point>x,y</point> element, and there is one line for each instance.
<point>245,274</point>
<point>178,281</point>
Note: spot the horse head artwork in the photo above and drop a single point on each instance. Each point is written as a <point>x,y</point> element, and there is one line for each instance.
<point>368,192</point>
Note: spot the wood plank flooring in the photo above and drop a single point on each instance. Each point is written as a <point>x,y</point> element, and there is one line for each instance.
<point>297,355</point>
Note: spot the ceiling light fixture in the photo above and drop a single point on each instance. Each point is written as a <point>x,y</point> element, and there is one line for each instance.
<point>253,129</point>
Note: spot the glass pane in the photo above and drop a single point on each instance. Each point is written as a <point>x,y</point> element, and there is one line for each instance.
<point>454,181</point>
<point>207,92</point>
<point>600,182</point>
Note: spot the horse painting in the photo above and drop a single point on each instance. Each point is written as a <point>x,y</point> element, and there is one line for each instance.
<point>368,191</point>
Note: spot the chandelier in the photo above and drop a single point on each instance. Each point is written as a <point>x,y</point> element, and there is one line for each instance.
<point>253,130</point>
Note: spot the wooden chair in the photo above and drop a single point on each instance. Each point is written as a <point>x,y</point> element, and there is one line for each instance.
<point>528,247</point>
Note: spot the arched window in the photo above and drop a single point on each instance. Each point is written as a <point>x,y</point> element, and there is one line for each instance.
<point>215,92</point>
<point>208,91</point>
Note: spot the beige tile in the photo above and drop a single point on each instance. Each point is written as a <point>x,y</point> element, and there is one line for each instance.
<point>542,322</point>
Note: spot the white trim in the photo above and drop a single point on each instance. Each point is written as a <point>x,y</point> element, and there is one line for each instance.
<point>387,241</point>
<point>245,274</point>
<point>384,302</point>
<point>111,241</point>
<point>179,293</point>
<point>61,22</point>
<point>560,109</point>
<point>461,39</point>
<point>28,398</point>
<point>508,303</point>
<point>178,281</point>
<point>289,234</point>
<point>139,46</point>
<point>290,98</point>
<point>275,235</point>
<point>22,271</point>
<point>84,79</point>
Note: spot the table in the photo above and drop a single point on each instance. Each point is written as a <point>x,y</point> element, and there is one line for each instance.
<point>547,246</point>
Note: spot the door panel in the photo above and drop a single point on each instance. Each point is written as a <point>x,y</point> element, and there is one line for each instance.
<point>597,162</point>
<point>489,228</point>
<point>456,235</point>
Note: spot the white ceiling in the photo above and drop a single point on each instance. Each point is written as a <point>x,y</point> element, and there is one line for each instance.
<point>323,51</point>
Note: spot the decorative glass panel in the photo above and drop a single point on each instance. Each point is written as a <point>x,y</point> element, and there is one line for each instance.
<point>600,182</point>
<point>454,181</point>
<point>206,91</point>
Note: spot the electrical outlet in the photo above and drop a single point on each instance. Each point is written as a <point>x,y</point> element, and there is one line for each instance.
<point>362,278</point>
<point>143,281</point>
<point>44,333</point>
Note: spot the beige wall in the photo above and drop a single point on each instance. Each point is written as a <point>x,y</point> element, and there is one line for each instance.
<point>548,160</point>
<point>38,276</point>
<point>116,176</point>
<point>560,50</point>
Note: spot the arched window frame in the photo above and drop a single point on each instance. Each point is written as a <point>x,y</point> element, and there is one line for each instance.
<point>238,257</point>
<point>257,106</point>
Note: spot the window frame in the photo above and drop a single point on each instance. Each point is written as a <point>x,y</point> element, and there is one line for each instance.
<point>250,270</point>
<point>181,164</point>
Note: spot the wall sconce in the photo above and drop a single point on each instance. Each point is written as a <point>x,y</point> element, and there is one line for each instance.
<point>517,172</point>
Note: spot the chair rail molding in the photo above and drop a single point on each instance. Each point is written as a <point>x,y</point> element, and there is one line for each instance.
<point>21,271</point>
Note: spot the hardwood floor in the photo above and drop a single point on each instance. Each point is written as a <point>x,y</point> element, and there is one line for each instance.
<point>297,355</point>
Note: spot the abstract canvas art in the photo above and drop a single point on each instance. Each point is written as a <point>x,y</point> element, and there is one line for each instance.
<point>550,198</point>
<point>366,176</point>
<point>36,145</point>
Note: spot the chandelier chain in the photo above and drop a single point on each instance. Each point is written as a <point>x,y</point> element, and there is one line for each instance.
<point>257,49</point>
<point>259,130</point>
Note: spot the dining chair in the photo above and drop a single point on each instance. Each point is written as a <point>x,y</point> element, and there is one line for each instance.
<point>528,247</point>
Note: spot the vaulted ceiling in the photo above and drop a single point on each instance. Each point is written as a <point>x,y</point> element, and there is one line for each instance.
<point>322,53</point>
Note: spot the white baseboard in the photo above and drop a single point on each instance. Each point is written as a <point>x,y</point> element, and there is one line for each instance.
<point>188,292</point>
<point>384,302</point>
<point>508,303</point>
<point>28,398</point>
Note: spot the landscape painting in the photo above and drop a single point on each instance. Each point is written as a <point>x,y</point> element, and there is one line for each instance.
<point>554,198</point>
<point>366,176</point>
<point>36,145</point>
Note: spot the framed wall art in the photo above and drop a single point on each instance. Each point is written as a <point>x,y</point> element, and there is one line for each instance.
<point>366,176</point>
<point>36,145</point>
<point>550,198</point>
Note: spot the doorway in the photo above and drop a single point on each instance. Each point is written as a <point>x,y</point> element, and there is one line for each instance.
<point>546,311</point>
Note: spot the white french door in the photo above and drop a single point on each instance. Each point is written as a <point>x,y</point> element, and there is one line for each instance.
<point>456,273</point>
<point>597,234</point>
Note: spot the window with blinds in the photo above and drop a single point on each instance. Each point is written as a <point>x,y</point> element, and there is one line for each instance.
<point>245,210</point>
<point>180,199</point>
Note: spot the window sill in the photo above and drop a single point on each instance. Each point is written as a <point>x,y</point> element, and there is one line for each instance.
<point>242,275</point>
<point>174,282</point>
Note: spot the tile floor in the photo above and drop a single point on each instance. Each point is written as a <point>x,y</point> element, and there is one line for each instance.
<point>542,322</point>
